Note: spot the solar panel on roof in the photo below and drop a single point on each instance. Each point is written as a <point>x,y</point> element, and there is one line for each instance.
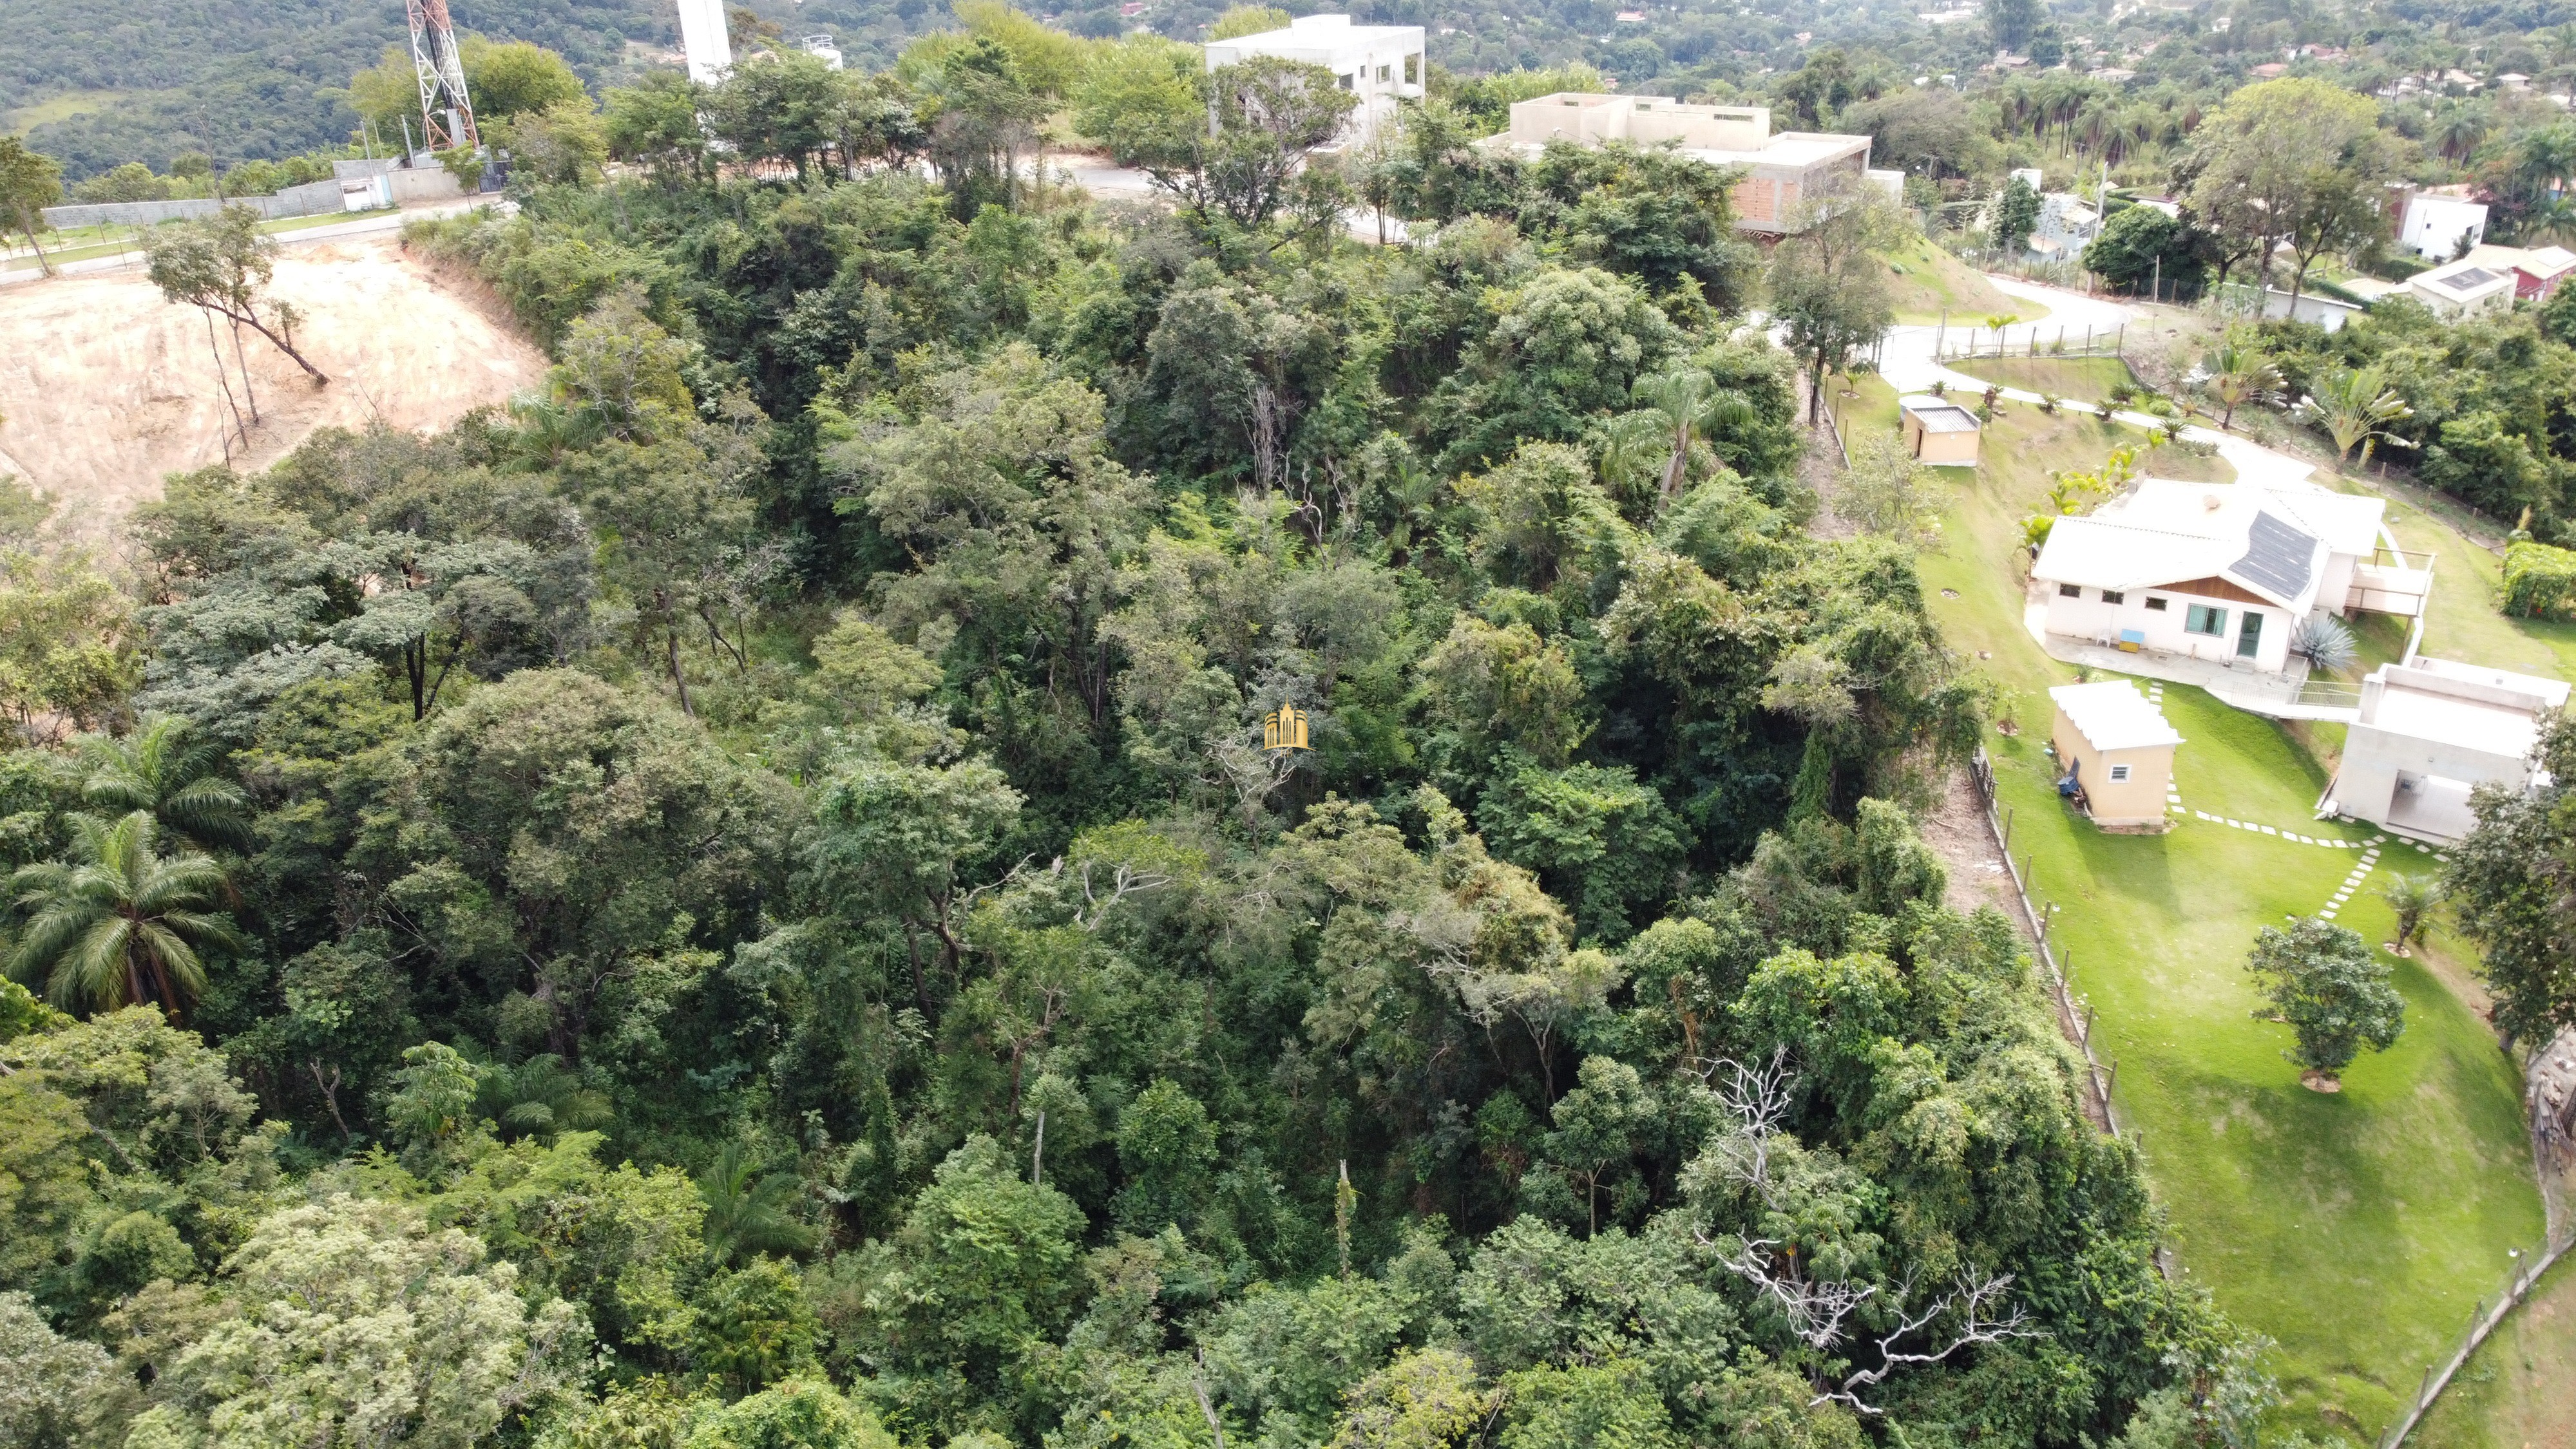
<point>2473,277</point>
<point>2277,556</point>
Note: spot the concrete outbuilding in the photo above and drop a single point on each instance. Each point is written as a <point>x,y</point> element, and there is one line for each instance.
<point>2430,731</point>
<point>1939,432</point>
<point>2115,753</point>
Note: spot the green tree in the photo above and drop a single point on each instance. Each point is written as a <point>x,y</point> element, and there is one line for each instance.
<point>1139,95</point>
<point>1828,290</point>
<point>655,121</point>
<point>1241,20</point>
<point>748,1206</point>
<point>1166,1146</point>
<point>1268,113</point>
<point>2500,883</point>
<point>1422,1399</point>
<point>222,264</point>
<point>2296,160</point>
<point>1605,1406</point>
<point>51,1388</point>
<point>801,1413</point>
<point>123,924</point>
<point>516,78</point>
<point>30,181</point>
<point>2016,212</point>
<point>2142,248</point>
<point>360,1325</point>
<point>2325,983</point>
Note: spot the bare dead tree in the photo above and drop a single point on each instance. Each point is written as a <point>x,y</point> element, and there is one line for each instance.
<point>1758,1098</point>
<point>1973,1297</point>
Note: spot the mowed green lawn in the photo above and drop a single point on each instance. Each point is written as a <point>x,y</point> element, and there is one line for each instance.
<point>2356,1229</point>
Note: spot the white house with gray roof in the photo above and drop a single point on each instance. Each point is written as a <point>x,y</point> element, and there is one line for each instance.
<point>2221,572</point>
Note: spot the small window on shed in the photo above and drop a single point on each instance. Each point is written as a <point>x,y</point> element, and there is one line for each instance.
<point>2119,773</point>
<point>2155,603</point>
<point>2113,596</point>
<point>2069,591</point>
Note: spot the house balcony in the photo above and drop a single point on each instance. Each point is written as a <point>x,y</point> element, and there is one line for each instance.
<point>2390,581</point>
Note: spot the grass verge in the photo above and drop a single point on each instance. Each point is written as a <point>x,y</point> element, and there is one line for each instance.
<point>2356,1229</point>
<point>1925,282</point>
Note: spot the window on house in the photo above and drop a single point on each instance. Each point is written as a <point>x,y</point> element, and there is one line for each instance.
<point>2069,591</point>
<point>2203,619</point>
<point>2119,773</point>
<point>1345,82</point>
<point>2113,596</point>
<point>1412,69</point>
<point>2155,603</point>
<point>2249,637</point>
<point>1383,72</point>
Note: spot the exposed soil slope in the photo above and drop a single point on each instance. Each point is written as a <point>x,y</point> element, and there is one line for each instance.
<point>105,388</point>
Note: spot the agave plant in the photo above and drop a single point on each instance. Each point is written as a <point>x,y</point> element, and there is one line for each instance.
<point>2323,641</point>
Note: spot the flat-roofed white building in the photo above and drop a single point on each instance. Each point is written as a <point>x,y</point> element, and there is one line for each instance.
<point>1381,64</point>
<point>1780,168</point>
<point>2430,731</point>
<point>2464,289</point>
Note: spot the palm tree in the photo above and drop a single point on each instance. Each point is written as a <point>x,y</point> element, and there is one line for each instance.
<point>2411,897</point>
<point>2552,218</point>
<point>123,925</point>
<point>539,1098</point>
<point>160,770</point>
<point>747,1207</point>
<point>2238,375</point>
<point>2459,134</point>
<point>1692,405</point>
<point>2356,405</point>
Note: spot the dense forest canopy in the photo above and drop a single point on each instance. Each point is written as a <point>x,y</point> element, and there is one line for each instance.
<point>742,898</point>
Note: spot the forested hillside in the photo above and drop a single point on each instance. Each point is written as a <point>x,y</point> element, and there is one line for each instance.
<point>238,79</point>
<point>746,899</point>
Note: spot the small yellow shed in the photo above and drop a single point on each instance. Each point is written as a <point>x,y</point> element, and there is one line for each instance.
<point>2115,753</point>
<point>1939,432</point>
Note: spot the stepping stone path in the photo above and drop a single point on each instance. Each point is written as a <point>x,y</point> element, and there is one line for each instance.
<point>2173,793</point>
<point>2352,882</point>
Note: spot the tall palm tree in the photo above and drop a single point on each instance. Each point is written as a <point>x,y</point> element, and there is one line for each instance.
<point>161,770</point>
<point>123,925</point>
<point>1692,405</point>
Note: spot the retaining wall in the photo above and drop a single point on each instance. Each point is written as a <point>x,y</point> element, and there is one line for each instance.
<point>314,198</point>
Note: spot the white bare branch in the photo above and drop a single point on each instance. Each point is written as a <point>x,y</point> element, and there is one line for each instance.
<point>1973,1298</point>
<point>1758,1098</point>
<point>1815,1308</point>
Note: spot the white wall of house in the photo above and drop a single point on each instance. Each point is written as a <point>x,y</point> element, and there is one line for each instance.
<point>1380,64</point>
<point>2086,615</point>
<point>2433,225</point>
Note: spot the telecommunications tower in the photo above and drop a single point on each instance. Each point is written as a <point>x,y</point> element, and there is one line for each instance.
<point>446,115</point>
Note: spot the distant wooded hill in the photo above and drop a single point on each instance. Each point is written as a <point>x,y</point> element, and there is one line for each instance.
<point>100,82</point>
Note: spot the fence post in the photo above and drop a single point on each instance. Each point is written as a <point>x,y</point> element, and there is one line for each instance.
<point>2107,1086</point>
<point>2008,820</point>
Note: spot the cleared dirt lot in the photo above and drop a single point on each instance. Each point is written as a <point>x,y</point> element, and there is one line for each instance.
<point>105,388</point>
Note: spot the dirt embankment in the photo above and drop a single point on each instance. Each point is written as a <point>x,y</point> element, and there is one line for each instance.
<point>105,388</point>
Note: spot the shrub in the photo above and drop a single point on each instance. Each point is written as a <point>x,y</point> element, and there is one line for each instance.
<point>2539,581</point>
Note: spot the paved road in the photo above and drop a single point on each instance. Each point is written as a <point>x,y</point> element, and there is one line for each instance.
<point>336,231</point>
<point>1907,364</point>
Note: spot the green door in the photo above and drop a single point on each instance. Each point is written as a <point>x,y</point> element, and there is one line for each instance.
<point>2249,635</point>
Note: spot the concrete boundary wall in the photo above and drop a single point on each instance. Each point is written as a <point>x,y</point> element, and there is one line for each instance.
<point>314,198</point>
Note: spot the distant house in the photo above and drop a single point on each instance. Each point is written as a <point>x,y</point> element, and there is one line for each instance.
<point>1381,64</point>
<point>2537,270</point>
<point>2065,224</point>
<point>2115,752</point>
<point>1780,168</point>
<point>2430,731</point>
<point>2271,70</point>
<point>2222,572</point>
<point>2464,289</point>
<point>2438,227</point>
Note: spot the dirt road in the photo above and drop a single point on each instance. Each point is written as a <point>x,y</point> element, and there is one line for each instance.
<point>104,387</point>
